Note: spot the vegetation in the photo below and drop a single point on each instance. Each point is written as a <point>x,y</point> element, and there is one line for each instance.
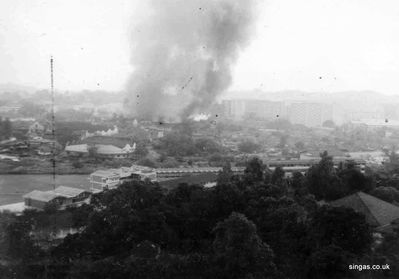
<point>327,183</point>
<point>259,225</point>
<point>71,131</point>
<point>248,146</point>
<point>181,143</point>
<point>5,129</point>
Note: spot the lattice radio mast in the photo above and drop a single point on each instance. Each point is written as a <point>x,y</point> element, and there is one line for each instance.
<point>52,122</point>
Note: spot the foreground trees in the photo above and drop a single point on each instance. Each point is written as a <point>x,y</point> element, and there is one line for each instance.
<point>328,183</point>
<point>248,226</point>
<point>239,252</point>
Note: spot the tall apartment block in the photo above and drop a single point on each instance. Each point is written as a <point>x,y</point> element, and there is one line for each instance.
<point>310,114</point>
<point>267,110</point>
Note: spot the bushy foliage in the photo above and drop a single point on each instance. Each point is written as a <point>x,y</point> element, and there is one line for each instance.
<point>248,146</point>
<point>179,143</point>
<point>246,226</point>
<point>326,182</point>
<point>5,129</point>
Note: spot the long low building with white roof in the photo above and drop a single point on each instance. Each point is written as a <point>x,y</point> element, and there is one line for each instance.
<point>102,150</point>
<point>60,197</point>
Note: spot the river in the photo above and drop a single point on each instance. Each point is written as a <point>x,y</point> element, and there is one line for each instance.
<point>14,186</point>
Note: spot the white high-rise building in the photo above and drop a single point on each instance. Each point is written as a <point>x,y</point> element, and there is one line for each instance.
<point>310,114</point>
<point>262,109</point>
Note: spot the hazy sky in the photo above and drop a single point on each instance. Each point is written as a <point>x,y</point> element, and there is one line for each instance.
<point>312,45</point>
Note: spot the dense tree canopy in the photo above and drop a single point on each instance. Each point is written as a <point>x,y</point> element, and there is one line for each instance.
<point>248,146</point>
<point>257,225</point>
<point>327,182</point>
<point>5,129</point>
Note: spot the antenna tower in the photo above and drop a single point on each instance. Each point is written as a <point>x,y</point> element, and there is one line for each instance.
<point>52,121</point>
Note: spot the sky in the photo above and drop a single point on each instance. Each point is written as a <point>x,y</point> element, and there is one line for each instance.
<point>309,45</point>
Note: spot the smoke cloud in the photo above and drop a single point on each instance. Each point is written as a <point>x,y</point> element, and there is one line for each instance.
<point>183,52</point>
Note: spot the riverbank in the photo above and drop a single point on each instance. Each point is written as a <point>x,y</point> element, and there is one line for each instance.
<point>43,166</point>
<point>63,166</point>
<point>47,172</point>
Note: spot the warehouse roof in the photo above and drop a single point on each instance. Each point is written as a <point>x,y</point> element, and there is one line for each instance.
<point>68,192</point>
<point>41,196</point>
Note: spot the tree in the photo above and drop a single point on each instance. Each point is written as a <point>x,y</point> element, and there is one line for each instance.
<point>20,244</point>
<point>342,227</point>
<point>323,181</point>
<point>77,164</point>
<point>254,171</point>
<point>300,145</point>
<point>278,177</point>
<point>225,174</point>
<point>283,141</point>
<point>239,251</point>
<point>92,151</point>
<point>141,150</point>
<point>207,146</point>
<point>178,144</point>
<point>387,252</point>
<point>354,180</point>
<point>329,262</point>
<point>248,146</point>
<point>392,166</point>
<point>388,194</point>
<point>329,124</point>
<point>7,128</point>
<point>298,184</point>
<point>147,163</point>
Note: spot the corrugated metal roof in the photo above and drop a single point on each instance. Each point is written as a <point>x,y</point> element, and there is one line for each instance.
<point>68,192</point>
<point>41,195</point>
<point>105,173</point>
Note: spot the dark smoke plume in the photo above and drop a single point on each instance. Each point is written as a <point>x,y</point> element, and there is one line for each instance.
<point>182,54</point>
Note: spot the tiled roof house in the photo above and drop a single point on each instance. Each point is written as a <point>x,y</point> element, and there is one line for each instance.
<point>379,214</point>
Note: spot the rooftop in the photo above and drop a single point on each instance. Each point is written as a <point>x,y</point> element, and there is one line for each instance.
<point>41,196</point>
<point>108,149</point>
<point>77,148</point>
<point>378,212</point>
<point>68,192</point>
<point>101,149</point>
<point>118,141</point>
<point>110,172</point>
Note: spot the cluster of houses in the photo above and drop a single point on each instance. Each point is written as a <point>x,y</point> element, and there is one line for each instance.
<point>25,148</point>
<point>35,142</point>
